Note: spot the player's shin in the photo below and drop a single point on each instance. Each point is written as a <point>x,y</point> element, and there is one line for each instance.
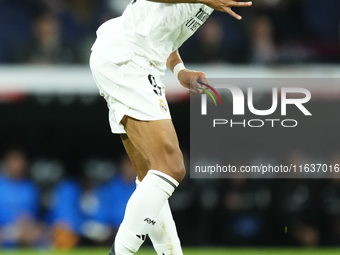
<point>164,235</point>
<point>143,210</point>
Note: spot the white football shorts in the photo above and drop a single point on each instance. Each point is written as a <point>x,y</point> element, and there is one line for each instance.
<point>129,89</point>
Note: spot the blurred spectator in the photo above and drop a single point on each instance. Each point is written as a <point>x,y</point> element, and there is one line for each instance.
<point>244,207</point>
<point>63,32</point>
<point>48,46</point>
<point>76,208</point>
<point>19,203</point>
<point>16,29</point>
<point>208,46</point>
<point>262,41</point>
<point>331,205</point>
<point>46,174</point>
<point>79,21</point>
<point>218,40</point>
<point>297,205</point>
<point>322,18</point>
<point>323,24</point>
<point>116,193</point>
<point>65,214</point>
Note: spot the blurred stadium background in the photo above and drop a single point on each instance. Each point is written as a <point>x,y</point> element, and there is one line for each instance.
<point>65,178</point>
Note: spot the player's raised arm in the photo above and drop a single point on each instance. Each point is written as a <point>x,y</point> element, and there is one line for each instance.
<point>219,5</point>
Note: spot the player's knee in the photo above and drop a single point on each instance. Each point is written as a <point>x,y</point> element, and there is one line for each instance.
<point>179,172</point>
<point>176,164</point>
<point>169,159</point>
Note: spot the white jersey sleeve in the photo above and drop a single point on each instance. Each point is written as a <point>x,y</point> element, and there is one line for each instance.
<point>149,30</point>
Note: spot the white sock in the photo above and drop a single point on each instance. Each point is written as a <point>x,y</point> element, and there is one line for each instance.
<point>164,234</point>
<point>142,211</point>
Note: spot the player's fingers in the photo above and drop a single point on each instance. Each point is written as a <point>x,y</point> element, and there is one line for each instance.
<point>193,93</point>
<point>233,14</point>
<point>194,88</point>
<point>201,77</point>
<point>241,4</point>
<point>203,80</point>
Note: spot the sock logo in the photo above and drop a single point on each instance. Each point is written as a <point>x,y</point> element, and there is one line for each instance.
<point>150,221</point>
<point>141,237</point>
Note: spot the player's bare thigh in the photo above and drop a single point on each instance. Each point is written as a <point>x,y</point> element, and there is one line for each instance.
<point>136,158</point>
<point>157,143</point>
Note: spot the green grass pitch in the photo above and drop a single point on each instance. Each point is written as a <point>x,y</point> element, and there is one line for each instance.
<point>186,251</point>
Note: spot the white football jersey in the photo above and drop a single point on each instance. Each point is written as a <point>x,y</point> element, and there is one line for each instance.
<point>149,30</point>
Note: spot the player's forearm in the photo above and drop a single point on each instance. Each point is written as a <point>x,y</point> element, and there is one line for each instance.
<point>175,1</point>
<point>173,60</point>
<point>219,5</point>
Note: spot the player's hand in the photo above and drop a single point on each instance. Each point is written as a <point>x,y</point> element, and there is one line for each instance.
<point>226,5</point>
<point>186,76</point>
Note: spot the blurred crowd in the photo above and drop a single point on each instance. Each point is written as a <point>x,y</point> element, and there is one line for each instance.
<point>42,206</point>
<point>272,32</point>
